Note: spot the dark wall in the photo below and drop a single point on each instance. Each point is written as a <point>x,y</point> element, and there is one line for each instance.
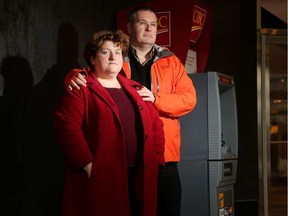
<point>41,40</point>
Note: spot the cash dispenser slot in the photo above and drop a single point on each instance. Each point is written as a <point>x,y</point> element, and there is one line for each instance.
<point>228,169</point>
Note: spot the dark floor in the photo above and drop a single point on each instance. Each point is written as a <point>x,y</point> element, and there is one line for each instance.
<point>278,197</point>
<point>246,208</point>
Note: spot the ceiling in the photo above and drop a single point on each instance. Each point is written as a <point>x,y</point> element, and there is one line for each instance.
<point>276,7</point>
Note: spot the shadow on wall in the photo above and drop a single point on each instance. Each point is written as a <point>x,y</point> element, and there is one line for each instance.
<point>43,160</point>
<point>30,160</point>
<point>18,83</point>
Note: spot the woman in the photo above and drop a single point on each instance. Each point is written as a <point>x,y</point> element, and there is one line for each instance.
<point>112,140</point>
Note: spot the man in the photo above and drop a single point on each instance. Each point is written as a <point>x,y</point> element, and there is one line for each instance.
<point>168,87</point>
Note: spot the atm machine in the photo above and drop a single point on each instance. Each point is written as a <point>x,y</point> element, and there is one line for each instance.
<point>209,148</point>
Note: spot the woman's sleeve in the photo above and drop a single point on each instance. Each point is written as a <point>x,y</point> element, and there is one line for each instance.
<point>67,123</point>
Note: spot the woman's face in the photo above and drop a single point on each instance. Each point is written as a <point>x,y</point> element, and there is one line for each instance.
<point>108,60</point>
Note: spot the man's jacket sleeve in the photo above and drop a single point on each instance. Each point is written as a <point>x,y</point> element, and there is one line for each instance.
<point>182,98</point>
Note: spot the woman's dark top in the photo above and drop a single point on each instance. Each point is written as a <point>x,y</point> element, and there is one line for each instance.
<point>131,123</point>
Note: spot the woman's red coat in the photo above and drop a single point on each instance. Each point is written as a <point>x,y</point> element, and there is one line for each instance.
<point>88,129</point>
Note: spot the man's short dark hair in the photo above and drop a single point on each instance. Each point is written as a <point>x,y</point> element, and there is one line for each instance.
<point>132,14</point>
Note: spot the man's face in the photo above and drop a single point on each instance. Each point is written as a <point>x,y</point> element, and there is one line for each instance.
<point>144,30</point>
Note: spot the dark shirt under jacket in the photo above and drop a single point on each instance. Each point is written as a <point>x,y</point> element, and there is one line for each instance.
<point>140,72</point>
<point>131,123</point>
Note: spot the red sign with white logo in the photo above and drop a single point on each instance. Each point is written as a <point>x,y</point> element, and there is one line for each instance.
<point>164,28</point>
<point>198,21</point>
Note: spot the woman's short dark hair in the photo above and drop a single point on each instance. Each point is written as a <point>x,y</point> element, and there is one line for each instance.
<point>97,40</point>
